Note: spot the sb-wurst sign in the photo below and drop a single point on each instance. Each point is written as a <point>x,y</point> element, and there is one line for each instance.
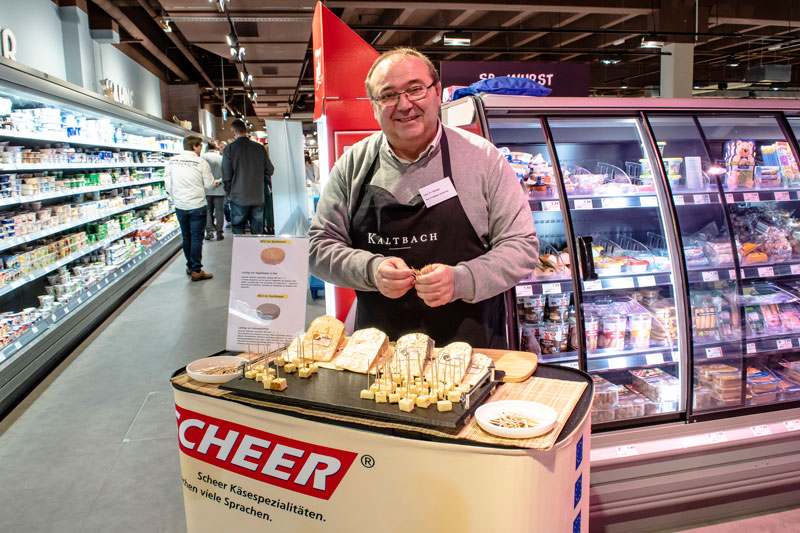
<point>565,79</point>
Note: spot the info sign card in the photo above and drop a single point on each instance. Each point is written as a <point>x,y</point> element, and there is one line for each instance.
<point>269,282</point>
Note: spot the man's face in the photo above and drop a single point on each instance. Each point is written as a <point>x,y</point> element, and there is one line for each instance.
<point>408,121</point>
<point>198,148</point>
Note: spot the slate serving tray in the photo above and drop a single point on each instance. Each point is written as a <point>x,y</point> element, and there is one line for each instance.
<point>336,391</point>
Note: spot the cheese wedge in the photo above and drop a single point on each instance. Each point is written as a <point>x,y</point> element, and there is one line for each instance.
<point>452,363</point>
<point>477,369</point>
<point>324,337</point>
<point>362,350</point>
<point>411,352</point>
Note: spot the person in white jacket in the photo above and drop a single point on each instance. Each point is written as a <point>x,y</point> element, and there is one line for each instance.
<point>186,178</point>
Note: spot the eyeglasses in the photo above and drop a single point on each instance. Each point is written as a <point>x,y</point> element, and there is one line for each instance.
<point>414,93</point>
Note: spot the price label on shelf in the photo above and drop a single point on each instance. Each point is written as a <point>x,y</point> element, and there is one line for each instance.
<point>523,290</point>
<point>571,364</point>
<point>551,205</point>
<point>654,358</point>
<point>551,288</point>
<point>35,329</point>
<point>729,198</point>
<point>17,345</point>
<point>782,196</point>
<point>761,430</point>
<point>593,285</point>
<point>795,269</point>
<point>678,199</point>
<point>710,275</point>
<point>612,203</point>
<point>627,451</point>
<point>80,301</point>
<point>751,197</point>
<point>717,437</point>
<point>784,344</point>
<point>732,273</point>
<point>645,281</point>
<point>714,352</point>
<point>583,203</point>
<point>620,283</point>
<point>792,425</point>
<point>766,272</point>
<point>701,199</point>
<point>88,294</point>
<point>751,347</point>
<point>648,201</point>
<point>617,362</point>
<point>53,318</point>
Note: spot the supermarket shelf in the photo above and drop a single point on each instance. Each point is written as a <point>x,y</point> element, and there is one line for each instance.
<point>55,138</point>
<point>696,198</point>
<point>709,274</point>
<point>579,203</point>
<point>72,257</point>
<point>619,360</point>
<point>5,244</point>
<point>529,287</point>
<point>74,166</point>
<point>772,343</point>
<point>780,195</point>
<point>4,202</point>
<point>628,281</point>
<point>768,270</point>
<point>562,358</point>
<point>78,299</point>
<point>715,351</point>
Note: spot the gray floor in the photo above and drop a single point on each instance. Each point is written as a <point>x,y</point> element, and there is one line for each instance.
<point>93,448</point>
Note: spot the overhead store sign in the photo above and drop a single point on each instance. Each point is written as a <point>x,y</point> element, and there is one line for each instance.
<point>117,92</point>
<point>565,79</point>
<point>8,44</point>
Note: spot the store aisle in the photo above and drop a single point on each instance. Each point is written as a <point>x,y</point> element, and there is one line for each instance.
<point>93,448</point>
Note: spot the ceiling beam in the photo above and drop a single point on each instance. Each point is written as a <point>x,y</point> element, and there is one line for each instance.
<point>128,25</point>
<point>177,41</point>
<point>561,24</point>
<point>460,19</point>
<point>601,7</point>
<point>401,19</point>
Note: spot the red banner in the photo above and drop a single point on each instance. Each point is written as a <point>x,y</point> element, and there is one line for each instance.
<point>287,463</point>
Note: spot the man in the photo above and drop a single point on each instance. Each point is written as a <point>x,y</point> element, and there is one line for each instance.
<point>186,178</point>
<point>215,196</point>
<point>417,195</point>
<point>245,171</point>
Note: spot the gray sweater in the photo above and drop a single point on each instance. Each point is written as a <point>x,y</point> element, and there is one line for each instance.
<point>488,190</point>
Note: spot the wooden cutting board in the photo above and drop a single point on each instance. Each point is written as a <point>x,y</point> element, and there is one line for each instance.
<point>518,366</point>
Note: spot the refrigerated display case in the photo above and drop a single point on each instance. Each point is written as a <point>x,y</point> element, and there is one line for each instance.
<point>670,248</point>
<point>84,218</point>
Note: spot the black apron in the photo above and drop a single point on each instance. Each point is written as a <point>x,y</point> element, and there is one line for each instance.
<point>419,236</point>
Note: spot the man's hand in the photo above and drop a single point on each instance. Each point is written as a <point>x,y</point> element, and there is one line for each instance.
<point>437,285</point>
<point>393,277</point>
<point>216,183</point>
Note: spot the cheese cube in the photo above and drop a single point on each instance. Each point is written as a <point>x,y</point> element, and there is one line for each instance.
<point>280,360</point>
<point>394,397</point>
<point>454,396</point>
<point>412,396</point>
<point>259,376</point>
<point>423,400</point>
<point>290,368</point>
<point>313,368</point>
<point>367,394</point>
<point>278,384</point>
<point>374,387</point>
<point>444,405</point>
<point>250,374</point>
<point>304,372</point>
<point>406,404</point>
<point>401,391</point>
<point>381,397</point>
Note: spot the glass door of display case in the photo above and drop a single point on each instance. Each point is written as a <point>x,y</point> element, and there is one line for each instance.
<point>627,294</point>
<point>545,303</point>
<point>758,172</point>
<point>693,177</point>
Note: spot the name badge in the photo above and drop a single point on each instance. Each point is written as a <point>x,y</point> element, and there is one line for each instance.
<point>437,192</point>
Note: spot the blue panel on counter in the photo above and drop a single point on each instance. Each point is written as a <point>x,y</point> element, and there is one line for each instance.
<point>576,524</point>
<point>579,453</point>
<point>578,491</point>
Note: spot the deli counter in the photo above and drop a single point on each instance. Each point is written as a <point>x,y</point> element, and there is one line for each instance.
<point>669,248</point>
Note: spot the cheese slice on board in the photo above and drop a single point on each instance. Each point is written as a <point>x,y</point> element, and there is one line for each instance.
<point>362,349</point>
<point>323,338</point>
<point>477,369</point>
<point>452,361</point>
<point>411,352</point>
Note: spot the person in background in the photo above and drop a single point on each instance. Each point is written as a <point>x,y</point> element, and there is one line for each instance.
<point>245,171</point>
<point>186,178</point>
<point>269,211</point>
<point>215,196</point>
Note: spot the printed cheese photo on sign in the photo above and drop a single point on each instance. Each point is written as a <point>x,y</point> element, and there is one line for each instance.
<point>269,281</point>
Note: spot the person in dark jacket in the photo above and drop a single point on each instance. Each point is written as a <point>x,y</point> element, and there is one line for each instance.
<point>246,171</point>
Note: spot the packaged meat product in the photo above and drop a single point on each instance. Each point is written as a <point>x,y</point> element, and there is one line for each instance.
<point>702,397</point>
<point>760,380</point>
<point>761,398</point>
<point>630,405</point>
<point>790,370</point>
<point>726,381</point>
<point>656,384</point>
<point>603,415</point>
<point>606,394</point>
<point>707,372</point>
<point>788,390</point>
<point>591,329</point>
<point>790,317</point>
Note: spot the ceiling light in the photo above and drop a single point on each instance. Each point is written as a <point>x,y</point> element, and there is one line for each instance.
<point>619,42</point>
<point>286,115</point>
<point>221,5</point>
<point>695,86</point>
<point>623,86</point>
<point>457,38</point>
<point>652,41</point>
<point>732,62</point>
<point>774,47</point>
<point>231,40</point>
<point>233,52</point>
<point>610,61</point>
<point>776,88</point>
<point>164,23</point>
<point>241,75</point>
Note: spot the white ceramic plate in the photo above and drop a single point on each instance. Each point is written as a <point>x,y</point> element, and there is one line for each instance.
<point>195,368</point>
<point>544,415</point>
